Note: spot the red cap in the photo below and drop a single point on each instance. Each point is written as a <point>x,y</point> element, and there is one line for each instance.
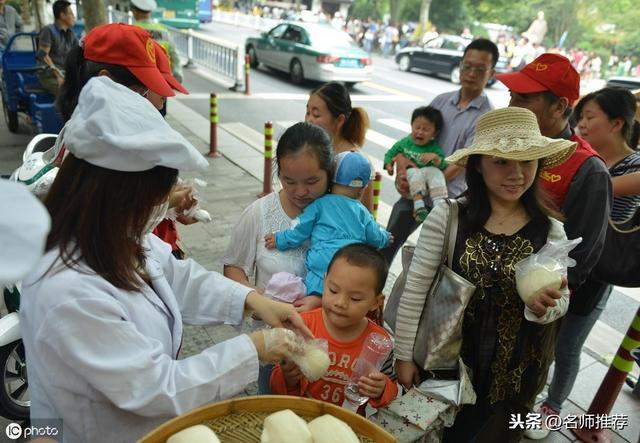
<point>163,64</point>
<point>128,46</point>
<point>549,72</point>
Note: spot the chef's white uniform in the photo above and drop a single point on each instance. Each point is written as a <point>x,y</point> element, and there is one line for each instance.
<point>104,360</point>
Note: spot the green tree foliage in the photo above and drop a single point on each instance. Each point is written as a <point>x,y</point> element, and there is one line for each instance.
<point>449,16</point>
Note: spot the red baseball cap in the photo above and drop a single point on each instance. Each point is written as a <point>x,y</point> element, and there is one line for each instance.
<point>128,46</point>
<point>548,72</point>
<point>163,64</point>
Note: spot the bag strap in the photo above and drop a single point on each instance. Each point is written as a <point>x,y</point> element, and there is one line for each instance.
<point>450,234</point>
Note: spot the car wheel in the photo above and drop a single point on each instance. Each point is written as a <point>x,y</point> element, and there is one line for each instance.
<point>14,395</point>
<point>404,63</point>
<point>296,73</point>
<point>455,75</point>
<point>253,57</point>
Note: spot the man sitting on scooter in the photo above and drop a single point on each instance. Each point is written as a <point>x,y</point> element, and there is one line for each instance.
<point>54,43</point>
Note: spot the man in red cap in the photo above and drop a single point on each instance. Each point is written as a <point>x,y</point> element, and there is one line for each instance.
<point>581,190</point>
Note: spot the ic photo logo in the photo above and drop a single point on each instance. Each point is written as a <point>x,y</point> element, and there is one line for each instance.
<point>14,431</point>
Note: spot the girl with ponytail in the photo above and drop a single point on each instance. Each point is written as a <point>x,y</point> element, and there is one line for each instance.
<point>329,107</point>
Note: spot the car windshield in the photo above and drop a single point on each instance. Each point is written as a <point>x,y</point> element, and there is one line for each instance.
<point>331,38</point>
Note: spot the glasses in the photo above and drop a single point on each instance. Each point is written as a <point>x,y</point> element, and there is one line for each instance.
<point>476,69</point>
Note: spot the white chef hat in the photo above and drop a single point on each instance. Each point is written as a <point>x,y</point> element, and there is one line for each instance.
<point>116,128</point>
<point>24,227</point>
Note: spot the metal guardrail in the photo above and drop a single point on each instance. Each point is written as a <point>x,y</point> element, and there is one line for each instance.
<point>219,56</point>
<point>245,20</point>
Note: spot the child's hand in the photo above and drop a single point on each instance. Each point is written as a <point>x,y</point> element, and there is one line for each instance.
<point>270,241</point>
<point>291,373</point>
<point>430,157</point>
<point>307,303</point>
<point>408,373</point>
<point>373,385</point>
<point>389,168</point>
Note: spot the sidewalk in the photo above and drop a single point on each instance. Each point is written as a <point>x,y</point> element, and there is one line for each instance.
<point>233,183</point>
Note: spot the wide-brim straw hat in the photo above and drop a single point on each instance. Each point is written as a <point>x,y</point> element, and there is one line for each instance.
<point>514,134</point>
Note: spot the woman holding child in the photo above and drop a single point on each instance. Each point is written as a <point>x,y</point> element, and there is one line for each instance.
<point>507,345</point>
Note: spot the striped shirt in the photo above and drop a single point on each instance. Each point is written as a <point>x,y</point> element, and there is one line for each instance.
<point>625,206</point>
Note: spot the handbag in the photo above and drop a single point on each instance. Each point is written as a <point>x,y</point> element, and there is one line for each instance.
<point>440,329</point>
<point>391,308</point>
<point>619,263</point>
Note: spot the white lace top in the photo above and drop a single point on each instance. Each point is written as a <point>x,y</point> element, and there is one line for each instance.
<point>247,251</point>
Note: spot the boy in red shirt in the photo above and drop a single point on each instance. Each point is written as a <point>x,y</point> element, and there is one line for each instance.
<point>352,288</point>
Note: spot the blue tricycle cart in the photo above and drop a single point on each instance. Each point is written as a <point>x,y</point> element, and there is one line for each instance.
<point>21,90</point>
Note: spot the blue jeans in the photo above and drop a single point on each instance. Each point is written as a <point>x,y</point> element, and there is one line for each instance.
<point>574,331</point>
<point>264,377</point>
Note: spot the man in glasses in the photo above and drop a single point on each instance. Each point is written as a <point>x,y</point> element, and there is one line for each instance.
<point>460,110</point>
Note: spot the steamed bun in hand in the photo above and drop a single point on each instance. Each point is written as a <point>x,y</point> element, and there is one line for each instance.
<point>535,280</point>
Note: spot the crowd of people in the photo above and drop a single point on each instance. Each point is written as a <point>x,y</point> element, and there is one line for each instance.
<point>102,312</point>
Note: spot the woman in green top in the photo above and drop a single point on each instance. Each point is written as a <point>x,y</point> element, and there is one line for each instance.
<point>422,148</point>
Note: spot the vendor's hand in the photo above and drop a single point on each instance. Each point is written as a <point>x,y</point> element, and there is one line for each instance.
<point>307,303</point>
<point>273,345</point>
<point>277,314</point>
<point>270,241</point>
<point>373,385</point>
<point>181,198</point>
<point>408,373</point>
<point>546,299</point>
<point>291,373</point>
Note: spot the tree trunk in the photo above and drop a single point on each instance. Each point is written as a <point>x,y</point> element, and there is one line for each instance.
<point>39,6</point>
<point>395,7</point>
<point>424,14</point>
<point>94,14</point>
<point>25,12</point>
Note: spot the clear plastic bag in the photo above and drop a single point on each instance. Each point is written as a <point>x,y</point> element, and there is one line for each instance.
<point>285,287</point>
<point>314,359</point>
<point>545,268</point>
<point>195,211</point>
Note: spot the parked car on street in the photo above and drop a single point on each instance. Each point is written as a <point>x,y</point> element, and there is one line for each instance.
<point>310,51</point>
<point>632,83</point>
<point>441,56</point>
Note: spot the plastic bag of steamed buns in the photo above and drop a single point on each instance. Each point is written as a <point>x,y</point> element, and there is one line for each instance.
<point>287,427</point>
<point>544,269</point>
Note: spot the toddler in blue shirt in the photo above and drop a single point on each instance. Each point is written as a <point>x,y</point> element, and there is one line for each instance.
<point>333,220</point>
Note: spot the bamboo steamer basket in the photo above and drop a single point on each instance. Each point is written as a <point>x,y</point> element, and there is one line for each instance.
<point>239,420</point>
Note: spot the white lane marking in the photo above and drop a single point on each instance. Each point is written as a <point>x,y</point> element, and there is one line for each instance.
<point>396,124</point>
<point>295,97</point>
<point>380,139</point>
<point>633,293</point>
<point>394,91</point>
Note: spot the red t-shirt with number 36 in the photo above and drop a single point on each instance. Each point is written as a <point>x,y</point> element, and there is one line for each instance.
<point>343,355</point>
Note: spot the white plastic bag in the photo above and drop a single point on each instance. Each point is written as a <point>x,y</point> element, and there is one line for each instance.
<point>545,268</point>
<point>195,212</point>
<point>285,287</point>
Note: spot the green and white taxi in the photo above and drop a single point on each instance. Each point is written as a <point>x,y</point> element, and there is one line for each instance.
<point>310,51</point>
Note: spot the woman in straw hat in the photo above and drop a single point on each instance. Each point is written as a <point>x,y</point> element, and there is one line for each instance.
<point>508,345</point>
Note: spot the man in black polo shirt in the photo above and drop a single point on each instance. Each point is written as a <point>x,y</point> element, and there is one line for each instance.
<point>54,42</point>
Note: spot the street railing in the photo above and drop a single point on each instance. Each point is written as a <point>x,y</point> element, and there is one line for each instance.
<point>245,20</point>
<point>219,56</point>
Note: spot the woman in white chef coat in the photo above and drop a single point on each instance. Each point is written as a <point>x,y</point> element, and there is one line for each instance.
<point>102,314</point>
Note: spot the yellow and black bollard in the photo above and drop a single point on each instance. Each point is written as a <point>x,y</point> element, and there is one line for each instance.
<point>268,159</point>
<point>247,64</point>
<point>213,135</point>
<point>377,187</point>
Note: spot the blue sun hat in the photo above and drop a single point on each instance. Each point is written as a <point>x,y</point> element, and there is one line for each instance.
<point>351,169</point>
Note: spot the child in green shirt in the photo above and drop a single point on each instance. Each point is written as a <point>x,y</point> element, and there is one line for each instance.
<point>422,148</point>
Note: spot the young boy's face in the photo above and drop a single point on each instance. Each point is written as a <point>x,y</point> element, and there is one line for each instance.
<point>349,294</point>
<point>422,131</point>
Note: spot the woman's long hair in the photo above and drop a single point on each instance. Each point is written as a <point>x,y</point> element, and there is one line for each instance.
<point>538,206</point>
<point>98,217</point>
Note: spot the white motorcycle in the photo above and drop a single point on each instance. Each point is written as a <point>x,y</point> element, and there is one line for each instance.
<point>37,173</point>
